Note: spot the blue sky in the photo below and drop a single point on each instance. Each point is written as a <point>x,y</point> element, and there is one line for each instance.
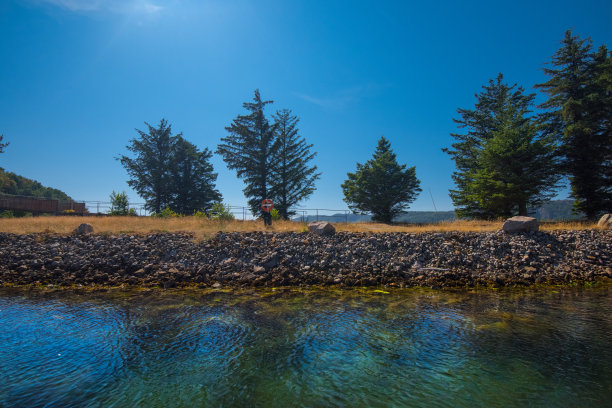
<point>78,76</point>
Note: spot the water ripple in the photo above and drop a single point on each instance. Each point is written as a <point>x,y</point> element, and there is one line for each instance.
<point>408,348</point>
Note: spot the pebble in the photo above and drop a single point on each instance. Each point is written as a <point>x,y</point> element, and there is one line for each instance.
<point>448,259</point>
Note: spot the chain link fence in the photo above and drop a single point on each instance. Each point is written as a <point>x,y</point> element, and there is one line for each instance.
<point>239,212</point>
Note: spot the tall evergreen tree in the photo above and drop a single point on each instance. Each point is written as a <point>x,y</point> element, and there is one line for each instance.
<point>504,161</point>
<point>193,179</point>
<point>250,149</point>
<point>517,167</point>
<point>149,170</point>
<point>168,171</point>
<point>578,113</point>
<point>293,177</point>
<point>381,186</point>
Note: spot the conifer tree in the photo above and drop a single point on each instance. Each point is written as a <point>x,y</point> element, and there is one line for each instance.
<point>579,98</point>
<point>517,167</point>
<point>603,98</point>
<point>149,170</point>
<point>193,179</point>
<point>250,149</point>
<point>168,171</point>
<point>381,186</point>
<point>504,161</point>
<point>293,177</point>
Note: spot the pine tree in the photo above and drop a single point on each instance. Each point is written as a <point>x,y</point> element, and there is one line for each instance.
<point>250,149</point>
<point>601,100</point>
<point>292,177</point>
<point>517,168</point>
<point>504,161</point>
<point>579,115</point>
<point>381,186</point>
<point>193,179</point>
<point>148,171</point>
<point>168,171</point>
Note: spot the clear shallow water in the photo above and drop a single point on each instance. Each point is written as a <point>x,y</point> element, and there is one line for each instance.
<point>317,348</point>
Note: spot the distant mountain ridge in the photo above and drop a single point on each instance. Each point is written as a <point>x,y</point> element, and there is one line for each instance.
<point>553,210</point>
<point>14,184</point>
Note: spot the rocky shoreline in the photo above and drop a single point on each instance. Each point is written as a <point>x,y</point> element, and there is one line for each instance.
<point>453,259</point>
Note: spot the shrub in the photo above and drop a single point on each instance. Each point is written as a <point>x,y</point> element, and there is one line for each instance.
<point>120,204</point>
<point>165,213</point>
<point>200,214</point>
<point>221,212</point>
<point>275,215</point>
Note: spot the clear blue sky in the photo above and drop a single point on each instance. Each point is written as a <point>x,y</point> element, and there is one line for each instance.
<point>77,76</point>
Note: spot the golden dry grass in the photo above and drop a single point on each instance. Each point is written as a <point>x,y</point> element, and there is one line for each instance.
<point>204,228</point>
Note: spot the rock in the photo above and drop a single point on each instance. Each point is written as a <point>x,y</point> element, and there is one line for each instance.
<point>605,222</point>
<point>323,228</point>
<point>272,261</point>
<point>84,229</point>
<point>520,224</point>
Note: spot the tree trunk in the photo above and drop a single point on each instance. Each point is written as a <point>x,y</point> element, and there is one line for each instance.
<point>522,208</point>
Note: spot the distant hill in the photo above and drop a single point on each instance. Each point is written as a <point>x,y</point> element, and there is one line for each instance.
<point>14,184</point>
<point>416,217</point>
<point>557,210</point>
<point>553,210</point>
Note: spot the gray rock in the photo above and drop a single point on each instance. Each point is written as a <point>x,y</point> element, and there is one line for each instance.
<point>605,222</point>
<point>520,224</point>
<point>321,228</point>
<point>84,229</point>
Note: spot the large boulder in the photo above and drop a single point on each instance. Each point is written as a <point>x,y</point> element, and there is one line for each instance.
<point>520,224</point>
<point>84,229</point>
<point>321,228</point>
<point>605,221</point>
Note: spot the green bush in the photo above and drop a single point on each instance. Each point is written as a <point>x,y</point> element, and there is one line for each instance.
<point>200,214</point>
<point>275,215</point>
<point>165,213</point>
<point>120,204</point>
<point>15,214</point>
<point>221,212</point>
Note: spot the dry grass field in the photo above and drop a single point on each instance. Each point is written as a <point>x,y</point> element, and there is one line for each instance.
<point>204,228</point>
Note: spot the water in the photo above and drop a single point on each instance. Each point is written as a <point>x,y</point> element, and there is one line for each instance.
<point>314,348</point>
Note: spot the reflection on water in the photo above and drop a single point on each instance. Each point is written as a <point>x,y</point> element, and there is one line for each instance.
<point>306,348</point>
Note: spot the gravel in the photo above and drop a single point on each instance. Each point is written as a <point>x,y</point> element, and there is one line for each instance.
<point>452,259</point>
